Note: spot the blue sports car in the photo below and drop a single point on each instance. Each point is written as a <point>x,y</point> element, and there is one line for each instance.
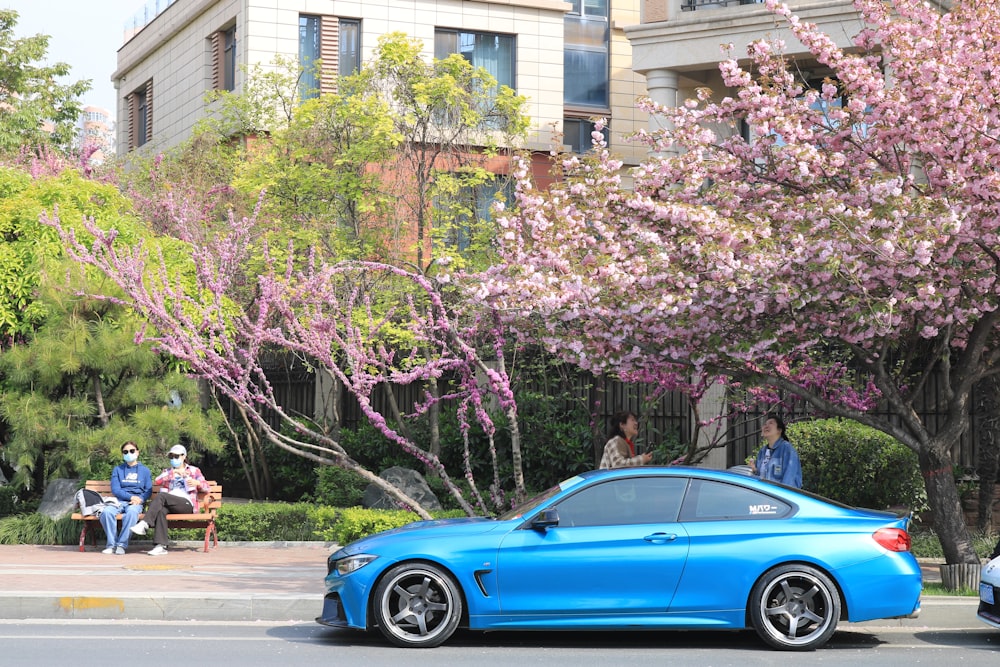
<point>634,549</point>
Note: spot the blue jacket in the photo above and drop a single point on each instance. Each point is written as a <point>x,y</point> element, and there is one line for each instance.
<point>783,466</point>
<point>131,481</point>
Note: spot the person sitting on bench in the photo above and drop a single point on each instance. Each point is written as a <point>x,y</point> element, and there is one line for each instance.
<point>178,495</point>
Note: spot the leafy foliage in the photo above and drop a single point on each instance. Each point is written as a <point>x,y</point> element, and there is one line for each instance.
<point>346,525</point>
<point>338,487</point>
<point>255,522</point>
<point>37,528</point>
<point>30,96</point>
<point>857,465</point>
<point>26,244</point>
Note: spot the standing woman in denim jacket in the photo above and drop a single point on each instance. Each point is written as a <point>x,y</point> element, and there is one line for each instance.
<point>777,461</point>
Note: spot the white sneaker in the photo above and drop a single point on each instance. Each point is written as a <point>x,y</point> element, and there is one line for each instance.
<point>158,550</point>
<point>119,551</point>
<point>109,550</point>
<point>140,528</point>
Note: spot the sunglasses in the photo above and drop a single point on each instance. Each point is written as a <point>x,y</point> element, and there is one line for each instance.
<point>129,451</point>
<point>176,456</point>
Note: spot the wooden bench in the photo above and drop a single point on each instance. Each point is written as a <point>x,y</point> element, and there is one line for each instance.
<point>208,505</point>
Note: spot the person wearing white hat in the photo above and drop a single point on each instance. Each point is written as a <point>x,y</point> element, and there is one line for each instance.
<point>179,487</point>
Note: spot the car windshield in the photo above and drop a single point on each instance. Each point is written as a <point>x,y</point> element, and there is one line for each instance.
<point>527,506</point>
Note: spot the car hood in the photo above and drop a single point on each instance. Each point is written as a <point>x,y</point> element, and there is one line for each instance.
<point>435,528</point>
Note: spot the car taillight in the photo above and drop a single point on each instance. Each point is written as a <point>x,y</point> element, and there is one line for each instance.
<point>892,539</point>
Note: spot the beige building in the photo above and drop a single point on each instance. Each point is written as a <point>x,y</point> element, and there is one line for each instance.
<point>676,45</point>
<point>571,60</point>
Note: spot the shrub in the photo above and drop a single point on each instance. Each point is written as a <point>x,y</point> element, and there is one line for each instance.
<point>339,487</point>
<point>925,543</point>
<point>857,465</point>
<point>257,522</point>
<point>355,522</point>
<point>347,525</point>
<point>10,503</point>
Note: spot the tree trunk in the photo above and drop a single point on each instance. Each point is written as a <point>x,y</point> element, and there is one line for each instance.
<point>942,495</point>
<point>517,460</point>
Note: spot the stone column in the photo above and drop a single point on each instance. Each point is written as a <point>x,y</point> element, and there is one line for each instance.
<point>661,85</point>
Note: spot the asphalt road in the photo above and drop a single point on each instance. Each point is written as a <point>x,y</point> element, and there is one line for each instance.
<point>85,643</point>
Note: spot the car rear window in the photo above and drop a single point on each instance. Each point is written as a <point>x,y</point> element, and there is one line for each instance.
<point>708,500</point>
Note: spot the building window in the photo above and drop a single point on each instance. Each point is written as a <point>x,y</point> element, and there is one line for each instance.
<point>493,52</point>
<point>349,47</point>
<point>223,49</point>
<point>140,115</point>
<point>332,43</point>
<point>586,54</point>
<point>578,134</point>
<point>309,53</point>
<point>229,59</point>
<point>475,206</point>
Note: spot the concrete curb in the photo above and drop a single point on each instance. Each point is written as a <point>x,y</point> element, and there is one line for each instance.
<point>146,607</point>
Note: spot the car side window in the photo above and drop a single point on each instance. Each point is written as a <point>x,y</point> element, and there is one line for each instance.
<point>710,501</point>
<point>624,501</point>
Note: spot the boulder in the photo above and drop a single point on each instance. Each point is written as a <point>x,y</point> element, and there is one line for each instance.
<point>410,482</point>
<point>58,499</point>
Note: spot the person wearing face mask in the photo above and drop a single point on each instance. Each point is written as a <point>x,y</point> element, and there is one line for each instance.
<point>131,484</point>
<point>179,487</point>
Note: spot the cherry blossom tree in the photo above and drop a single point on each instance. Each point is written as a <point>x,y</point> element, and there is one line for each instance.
<point>846,255</point>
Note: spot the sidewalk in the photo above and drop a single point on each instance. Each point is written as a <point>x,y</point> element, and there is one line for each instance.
<point>243,581</point>
<point>237,581</point>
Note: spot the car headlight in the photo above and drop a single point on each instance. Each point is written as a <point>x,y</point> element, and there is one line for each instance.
<point>351,563</point>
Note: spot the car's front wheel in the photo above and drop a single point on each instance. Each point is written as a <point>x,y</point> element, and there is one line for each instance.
<point>417,605</point>
<point>795,608</point>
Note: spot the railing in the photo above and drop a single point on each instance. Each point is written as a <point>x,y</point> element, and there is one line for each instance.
<point>144,17</point>
<point>692,5</point>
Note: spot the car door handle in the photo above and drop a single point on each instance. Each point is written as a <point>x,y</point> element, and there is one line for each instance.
<point>660,538</point>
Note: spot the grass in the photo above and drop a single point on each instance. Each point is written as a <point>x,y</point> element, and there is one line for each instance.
<point>925,544</point>
<point>939,589</point>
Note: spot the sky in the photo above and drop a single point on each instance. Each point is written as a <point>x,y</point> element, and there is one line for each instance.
<point>86,34</point>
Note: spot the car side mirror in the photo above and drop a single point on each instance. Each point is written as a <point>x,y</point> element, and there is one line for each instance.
<point>546,519</point>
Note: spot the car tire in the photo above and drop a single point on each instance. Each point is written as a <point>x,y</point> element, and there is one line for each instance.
<point>417,605</point>
<point>795,608</point>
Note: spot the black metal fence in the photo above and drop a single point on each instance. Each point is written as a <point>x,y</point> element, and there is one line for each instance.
<point>666,417</point>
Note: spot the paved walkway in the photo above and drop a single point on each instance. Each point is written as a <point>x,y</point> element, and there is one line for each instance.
<point>243,581</point>
<point>235,581</point>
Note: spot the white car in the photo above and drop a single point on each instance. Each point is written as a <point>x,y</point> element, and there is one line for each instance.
<point>989,593</point>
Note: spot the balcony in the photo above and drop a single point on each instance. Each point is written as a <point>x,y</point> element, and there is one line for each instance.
<point>693,5</point>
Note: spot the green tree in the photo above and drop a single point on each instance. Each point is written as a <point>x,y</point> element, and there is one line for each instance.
<point>397,155</point>
<point>80,386</point>
<point>35,109</point>
<point>74,382</point>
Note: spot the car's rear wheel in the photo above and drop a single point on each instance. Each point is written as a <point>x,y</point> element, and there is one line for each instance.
<point>795,608</point>
<point>417,605</point>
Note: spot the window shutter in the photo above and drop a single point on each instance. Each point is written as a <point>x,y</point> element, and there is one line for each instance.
<point>132,103</point>
<point>149,110</point>
<point>217,44</point>
<point>329,52</point>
